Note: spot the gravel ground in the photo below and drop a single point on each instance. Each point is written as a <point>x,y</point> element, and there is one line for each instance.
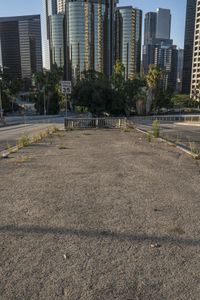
<point>99,215</point>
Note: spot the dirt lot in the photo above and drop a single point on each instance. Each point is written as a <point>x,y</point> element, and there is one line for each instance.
<point>99,215</point>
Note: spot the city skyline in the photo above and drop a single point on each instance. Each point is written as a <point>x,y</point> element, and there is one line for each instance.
<point>178,10</point>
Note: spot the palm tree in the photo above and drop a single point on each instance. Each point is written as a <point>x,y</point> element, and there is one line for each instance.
<point>152,78</point>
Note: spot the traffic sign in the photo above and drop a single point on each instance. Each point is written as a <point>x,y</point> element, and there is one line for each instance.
<point>66,87</point>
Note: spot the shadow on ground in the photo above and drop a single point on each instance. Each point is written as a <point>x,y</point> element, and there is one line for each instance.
<point>92,233</point>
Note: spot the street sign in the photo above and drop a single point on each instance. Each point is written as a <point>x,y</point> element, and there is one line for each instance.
<point>66,87</point>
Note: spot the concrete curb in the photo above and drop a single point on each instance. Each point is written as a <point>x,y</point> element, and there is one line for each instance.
<point>178,146</point>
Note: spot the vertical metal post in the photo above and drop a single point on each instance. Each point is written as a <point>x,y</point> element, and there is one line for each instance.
<point>45,112</point>
<point>1,106</point>
<point>66,96</point>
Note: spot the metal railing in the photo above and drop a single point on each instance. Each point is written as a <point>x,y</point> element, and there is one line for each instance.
<point>171,118</point>
<point>84,123</point>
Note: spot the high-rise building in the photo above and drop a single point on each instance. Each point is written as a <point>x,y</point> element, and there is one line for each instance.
<point>195,79</point>
<point>156,32</point>
<point>163,24</point>
<point>149,40</point>
<point>150,28</point>
<point>180,69</point>
<point>21,48</point>
<point>49,9</point>
<point>56,38</point>
<point>61,6</point>
<point>158,48</point>
<point>128,39</point>
<point>188,45</point>
<point>90,36</point>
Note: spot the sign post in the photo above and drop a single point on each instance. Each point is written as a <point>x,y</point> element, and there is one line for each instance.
<point>66,88</point>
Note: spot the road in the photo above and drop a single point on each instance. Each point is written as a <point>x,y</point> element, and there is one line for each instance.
<point>183,133</point>
<point>9,135</point>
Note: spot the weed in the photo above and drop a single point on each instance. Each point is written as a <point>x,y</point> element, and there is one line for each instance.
<point>194,148</point>
<point>54,129</point>
<point>21,159</point>
<point>9,146</point>
<point>156,128</point>
<point>148,136</point>
<point>35,138</point>
<point>61,147</point>
<point>24,141</point>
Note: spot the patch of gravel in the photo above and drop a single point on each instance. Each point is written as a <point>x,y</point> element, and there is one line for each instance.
<point>99,215</point>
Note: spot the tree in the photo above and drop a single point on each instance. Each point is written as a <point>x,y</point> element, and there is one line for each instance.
<point>181,101</point>
<point>48,96</point>
<point>152,78</point>
<point>93,92</point>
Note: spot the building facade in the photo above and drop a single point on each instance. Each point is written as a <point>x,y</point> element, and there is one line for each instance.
<point>156,33</point>
<point>149,40</point>
<point>49,9</point>
<point>163,24</point>
<point>195,79</point>
<point>90,36</point>
<point>61,6</point>
<point>180,69</point>
<point>188,45</point>
<point>158,48</point>
<point>21,47</point>
<point>57,44</point>
<point>128,39</point>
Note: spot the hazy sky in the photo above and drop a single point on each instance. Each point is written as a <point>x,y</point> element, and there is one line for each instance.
<point>23,7</point>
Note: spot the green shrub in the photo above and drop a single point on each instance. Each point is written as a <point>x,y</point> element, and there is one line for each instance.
<point>156,128</point>
<point>148,136</point>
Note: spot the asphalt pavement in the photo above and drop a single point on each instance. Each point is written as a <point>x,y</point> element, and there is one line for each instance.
<point>180,133</point>
<point>10,134</point>
<point>99,215</point>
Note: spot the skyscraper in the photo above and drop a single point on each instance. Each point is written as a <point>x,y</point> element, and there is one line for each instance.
<point>61,6</point>
<point>128,39</point>
<point>90,36</point>
<point>195,79</point>
<point>56,38</point>
<point>150,28</point>
<point>158,48</point>
<point>49,9</point>
<point>188,47</point>
<point>180,69</point>
<point>21,49</point>
<point>149,40</point>
<point>163,24</point>
<point>156,32</point>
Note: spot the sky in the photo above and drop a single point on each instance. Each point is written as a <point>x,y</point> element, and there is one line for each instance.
<point>178,8</point>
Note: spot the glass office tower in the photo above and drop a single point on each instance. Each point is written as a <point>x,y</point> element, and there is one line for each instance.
<point>57,40</point>
<point>90,36</point>
<point>21,48</point>
<point>129,38</point>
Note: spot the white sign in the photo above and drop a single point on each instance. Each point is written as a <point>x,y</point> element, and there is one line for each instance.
<point>66,87</point>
